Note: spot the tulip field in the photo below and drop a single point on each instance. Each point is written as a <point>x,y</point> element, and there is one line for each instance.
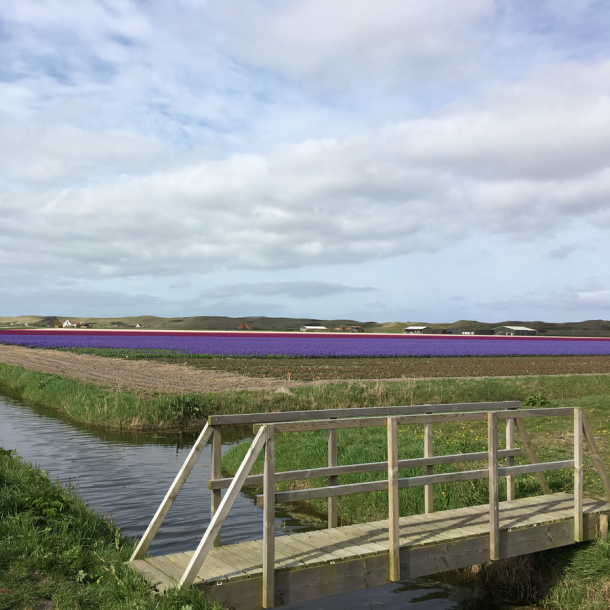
<point>261,345</point>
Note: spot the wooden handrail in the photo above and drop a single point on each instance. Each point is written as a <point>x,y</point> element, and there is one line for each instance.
<point>314,473</point>
<point>285,416</point>
<point>349,489</point>
<point>371,422</point>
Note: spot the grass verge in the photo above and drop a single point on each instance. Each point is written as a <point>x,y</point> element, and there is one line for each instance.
<point>55,552</point>
<point>123,409</point>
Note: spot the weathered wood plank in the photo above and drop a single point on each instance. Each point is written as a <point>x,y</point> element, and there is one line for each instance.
<point>578,476</point>
<point>241,561</point>
<point>532,468</point>
<point>169,568</point>
<point>429,470</point>
<point>603,527</point>
<point>596,456</point>
<point>172,494</point>
<point>213,570</point>
<point>285,416</point>
<point>525,439</point>
<point>220,515</point>
<point>313,473</point>
<point>339,424</point>
<point>357,488</point>
<point>216,473</point>
<point>494,506</point>
<point>269,520</point>
<point>527,413</point>
<point>157,579</point>
<point>332,479</point>
<point>394,526</point>
<point>510,461</point>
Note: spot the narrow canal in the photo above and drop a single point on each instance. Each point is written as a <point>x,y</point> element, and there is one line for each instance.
<point>126,474</point>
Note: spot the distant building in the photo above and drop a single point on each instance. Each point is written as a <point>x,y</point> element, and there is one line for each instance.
<point>67,324</point>
<point>138,326</point>
<point>313,329</point>
<point>515,330</point>
<point>483,332</point>
<point>417,330</point>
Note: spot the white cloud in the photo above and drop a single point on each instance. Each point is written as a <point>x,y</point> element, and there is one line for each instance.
<point>299,290</point>
<point>416,185</point>
<point>174,140</point>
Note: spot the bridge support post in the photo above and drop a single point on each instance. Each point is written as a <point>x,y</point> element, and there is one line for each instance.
<point>494,505</point>
<point>269,520</point>
<point>510,461</point>
<point>578,478</point>
<point>394,512</point>
<point>332,480</point>
<point>216,474</point>
<point>428,452</point>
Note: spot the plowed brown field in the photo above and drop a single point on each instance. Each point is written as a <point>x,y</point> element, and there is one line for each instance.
<point>227,374</point>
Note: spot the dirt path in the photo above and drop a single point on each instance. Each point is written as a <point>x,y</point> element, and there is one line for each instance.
<point>144,375</point>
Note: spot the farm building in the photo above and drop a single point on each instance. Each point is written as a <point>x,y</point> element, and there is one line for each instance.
<point>313,329</point>
<point>417,330</point>
<point>514,330</point>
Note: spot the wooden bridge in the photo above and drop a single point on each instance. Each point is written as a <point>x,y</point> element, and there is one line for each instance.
<point>276,571</point>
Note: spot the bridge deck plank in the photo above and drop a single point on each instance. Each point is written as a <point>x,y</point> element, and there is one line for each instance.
<point>370,541</point>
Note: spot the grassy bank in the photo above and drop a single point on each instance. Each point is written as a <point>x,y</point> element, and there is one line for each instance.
<point>112,408</point>
<point>578,577</point>
<point>55,552</point>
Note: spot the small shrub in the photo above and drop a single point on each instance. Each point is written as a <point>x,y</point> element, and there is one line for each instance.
<point>536,400</point>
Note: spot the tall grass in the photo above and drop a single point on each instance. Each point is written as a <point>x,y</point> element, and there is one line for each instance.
<point>54,548</point>
<point>120,408</point>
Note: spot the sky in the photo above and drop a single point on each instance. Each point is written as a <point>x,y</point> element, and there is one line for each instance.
<point>377,160</point>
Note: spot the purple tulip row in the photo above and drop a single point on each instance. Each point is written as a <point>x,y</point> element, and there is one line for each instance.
<point>315,346</point>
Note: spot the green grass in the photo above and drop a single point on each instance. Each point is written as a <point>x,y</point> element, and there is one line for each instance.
<point>54,548</point>
<point>90,404</point>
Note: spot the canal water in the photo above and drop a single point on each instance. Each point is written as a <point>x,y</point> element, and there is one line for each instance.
<point>125,475</point>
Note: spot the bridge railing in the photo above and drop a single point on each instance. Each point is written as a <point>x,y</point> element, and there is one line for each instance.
<point>267,426</point>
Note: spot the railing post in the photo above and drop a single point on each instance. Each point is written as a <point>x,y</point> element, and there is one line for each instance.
<point>269,520</point>
<point>595,455</point>
<point>428,452</point>
<point>510,461</point>
<point>216,473</point>
<point>578,478</point>
<point>494,507</point>
<point>332,481</point>
<point>394,513</point>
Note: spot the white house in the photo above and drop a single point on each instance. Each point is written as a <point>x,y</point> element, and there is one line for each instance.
<point>67,324</point>
<point>417,330</point>
<point>515,330</point>
<point>313,329</point>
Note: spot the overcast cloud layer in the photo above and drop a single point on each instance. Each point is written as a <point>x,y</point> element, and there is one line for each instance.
<point>376,160</point>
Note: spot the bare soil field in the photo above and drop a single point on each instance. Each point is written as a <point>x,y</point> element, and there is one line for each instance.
<point>142,375</point>
<point>326,369</point>
<point>178,376</point>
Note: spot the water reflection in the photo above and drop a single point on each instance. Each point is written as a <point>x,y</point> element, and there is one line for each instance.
<point>126,475</point>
